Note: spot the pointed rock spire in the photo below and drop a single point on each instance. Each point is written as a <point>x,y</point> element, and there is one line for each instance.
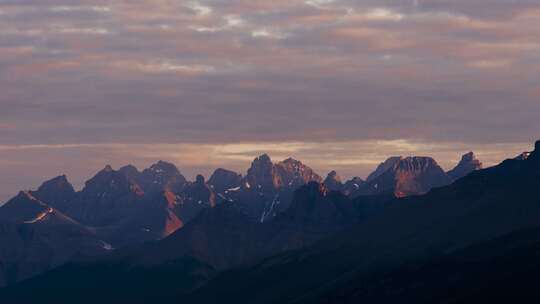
<point>468,164</point>
<point>262,175</point>
<point>333,181</point>
<point>57,192</point>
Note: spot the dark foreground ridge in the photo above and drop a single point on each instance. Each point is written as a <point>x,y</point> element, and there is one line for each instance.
<point>327,245</point>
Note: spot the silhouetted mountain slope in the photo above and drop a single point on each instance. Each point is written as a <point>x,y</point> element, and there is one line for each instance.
<point>220,237</point>
<point>264,216</point>
<point>503,270</point>
<point>23,207</point>
<point>481,207</point>
<point>225,237</point>
<point>115,282</point>
<point>35,238</point>
<point>523,156</point>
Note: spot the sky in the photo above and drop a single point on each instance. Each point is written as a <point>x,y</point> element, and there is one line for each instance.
<point>338,84</point>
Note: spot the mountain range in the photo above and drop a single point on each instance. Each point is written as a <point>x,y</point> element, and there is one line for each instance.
<point>223,235</point>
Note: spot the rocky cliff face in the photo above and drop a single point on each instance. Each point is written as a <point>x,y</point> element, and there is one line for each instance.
<point>406,176</point>
<point>294,173</point>
<point>268,188</point>
<point>262,175</point>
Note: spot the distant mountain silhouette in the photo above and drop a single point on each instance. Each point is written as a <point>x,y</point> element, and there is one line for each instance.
<point>217,239</point>
<point>229,221</point>
<point>468,164</point>
<point>36,237</point>
<point>467,241</point>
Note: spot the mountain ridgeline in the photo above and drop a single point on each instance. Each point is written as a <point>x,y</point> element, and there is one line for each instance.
<point>221,236</point>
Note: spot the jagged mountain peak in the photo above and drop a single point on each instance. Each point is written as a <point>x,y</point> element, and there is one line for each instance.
<point>57,192</point>
<point>333,181</point>
<point>59,183</point>
<point>130,171</point>
<point>110,183</point>
<point>162,163</point>
<point>163,166</point>
<point>162,176</point>
<point>406,176</point>
<point>416,162</point>
<point>291,161</point>
<point>333,176</point>
<point>468,164</point>
<point>263,158</point>
<point>106,173</point>
<point>383,167</point>
<point>222,171</point>
<point>468,156</point>
<point>262,174</point>
<point>294,173</point>
<point>223,179</point>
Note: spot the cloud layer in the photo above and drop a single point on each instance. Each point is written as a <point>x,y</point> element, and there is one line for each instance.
<point>254,71</point>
